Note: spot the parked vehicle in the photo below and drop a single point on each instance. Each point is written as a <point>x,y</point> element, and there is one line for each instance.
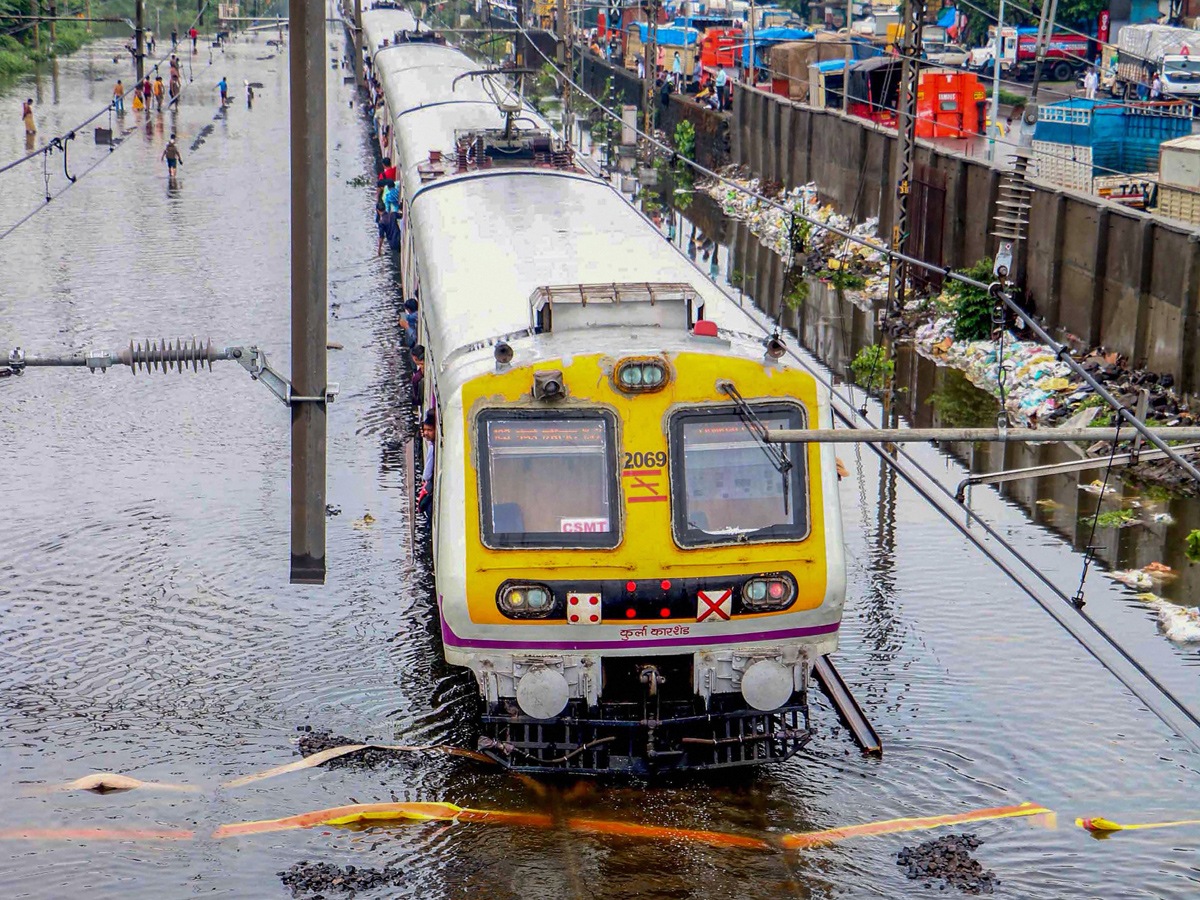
<point>954,56</point>
<point>1143,50</point>
<point>1066,54</point>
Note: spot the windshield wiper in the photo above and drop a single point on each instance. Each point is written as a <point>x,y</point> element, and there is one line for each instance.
<point>776,453</point>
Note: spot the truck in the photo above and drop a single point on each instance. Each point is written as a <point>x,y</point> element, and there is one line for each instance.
<point>1066,54</point>
<point>1143,50</point>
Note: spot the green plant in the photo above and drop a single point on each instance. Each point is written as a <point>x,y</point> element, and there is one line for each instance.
<point>685,139</point>
<point>360,181</point>
<point>736,278</point>
<point>972,306</point>
<point>845,280</point>
<point>1192,551</point>
<point>798,295</point>
<point>872,368</point>
<point>1116,518</point>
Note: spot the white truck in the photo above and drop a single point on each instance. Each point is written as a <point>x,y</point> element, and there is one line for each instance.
<point>1174,53</point>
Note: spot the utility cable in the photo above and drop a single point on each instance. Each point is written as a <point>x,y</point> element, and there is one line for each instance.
<point>1060,350</point>
<point>1192,729</point>
<point>1089,552</point>
<point>73,182</point>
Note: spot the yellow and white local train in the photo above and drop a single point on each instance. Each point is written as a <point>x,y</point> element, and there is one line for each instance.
<point>635,579</point>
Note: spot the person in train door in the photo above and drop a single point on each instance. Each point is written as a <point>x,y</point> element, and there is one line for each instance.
<point>429,446</point>
<point>417,385</point>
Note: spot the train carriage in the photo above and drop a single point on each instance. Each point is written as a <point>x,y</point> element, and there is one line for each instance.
<point>636,580</point>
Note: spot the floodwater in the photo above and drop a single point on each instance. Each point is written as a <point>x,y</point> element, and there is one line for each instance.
<point>148,627</point>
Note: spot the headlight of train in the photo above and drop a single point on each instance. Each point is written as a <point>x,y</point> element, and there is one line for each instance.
<point>638,375</point>
<point>526,601</point>
<point>769,592</point>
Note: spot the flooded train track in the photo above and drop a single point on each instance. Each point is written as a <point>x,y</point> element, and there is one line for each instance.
<point>145,630</point>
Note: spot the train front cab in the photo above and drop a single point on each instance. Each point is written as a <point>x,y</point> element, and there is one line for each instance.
<point>645,585</point>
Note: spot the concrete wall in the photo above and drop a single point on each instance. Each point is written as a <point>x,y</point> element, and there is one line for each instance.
<point>1097,273</point>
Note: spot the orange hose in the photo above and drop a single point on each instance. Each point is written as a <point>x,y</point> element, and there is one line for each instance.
<point>892,826</point>
<point>95,834</point>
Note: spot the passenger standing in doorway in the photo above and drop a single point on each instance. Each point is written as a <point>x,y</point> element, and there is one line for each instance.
<point>27,117</point>
<point>119,97</point>
<point>173,157</point>
<point>429,445</point>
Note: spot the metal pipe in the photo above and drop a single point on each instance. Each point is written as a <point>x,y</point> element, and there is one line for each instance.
<point>994,435</point>
<point>1064,468</point>
<point>309,274</point>
<point>997,48</point>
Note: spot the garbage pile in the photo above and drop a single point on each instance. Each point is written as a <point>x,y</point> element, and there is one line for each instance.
<point>1179,624</point>
<point>313,880</point>
<point>824,250</point>
<point>949,859</point>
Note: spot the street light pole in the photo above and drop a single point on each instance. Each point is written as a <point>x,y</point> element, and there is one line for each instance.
<point>306,20</point>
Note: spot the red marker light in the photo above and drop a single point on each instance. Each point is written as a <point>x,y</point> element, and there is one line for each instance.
<point>666,585</point>
<point>575,618</point>
<point>776,590</point>
<point>574,600</point>
<point>630,586</point>
<point>595,618</point>
<point>594,601</point>
<point>665,612</point>
<point>630,613</point>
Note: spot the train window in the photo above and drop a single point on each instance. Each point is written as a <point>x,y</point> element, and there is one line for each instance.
<point>548,478</point>
<point>725,488</point>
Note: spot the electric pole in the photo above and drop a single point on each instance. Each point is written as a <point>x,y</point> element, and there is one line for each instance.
<point>358,44</point>
<point>140,56</point>
<point>306,20</point>
<point>906,138</point>
<point>53,24</point>
<point>850,54</point>
<point>650,53</point>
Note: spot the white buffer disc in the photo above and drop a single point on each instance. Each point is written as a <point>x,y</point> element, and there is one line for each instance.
<point>767,685</point>
<point>542,694</point>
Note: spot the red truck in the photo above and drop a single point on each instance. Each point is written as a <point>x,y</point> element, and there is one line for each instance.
<point>1066,54</point>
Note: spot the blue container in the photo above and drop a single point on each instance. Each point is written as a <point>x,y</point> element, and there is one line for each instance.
<point>1123,139</point>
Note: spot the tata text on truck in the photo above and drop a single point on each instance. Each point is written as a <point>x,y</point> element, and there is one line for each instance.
<point>1066,53</point>
<point>1174,53</point>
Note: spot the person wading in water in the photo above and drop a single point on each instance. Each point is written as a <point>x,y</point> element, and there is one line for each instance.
<point>173,157</point>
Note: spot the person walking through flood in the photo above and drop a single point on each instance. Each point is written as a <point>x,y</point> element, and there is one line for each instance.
<point>249,95</point>
<point>119,97</point>
<point>147,90</point>
<point>174,38</point>
<point>27,117</point>
<point>173,157</point>
<point>138,102</point>
<point>159,91</point>
<point>193,34</point>
<point>223,87</point>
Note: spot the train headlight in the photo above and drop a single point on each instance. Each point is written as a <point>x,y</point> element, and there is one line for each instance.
<point>769,592</point>
<point>634,376</point>
<point>526,601</point>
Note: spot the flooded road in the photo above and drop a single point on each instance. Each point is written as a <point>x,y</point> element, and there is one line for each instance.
<point>148,627</point>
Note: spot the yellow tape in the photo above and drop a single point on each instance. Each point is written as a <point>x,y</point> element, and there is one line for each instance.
<point>892,826</point>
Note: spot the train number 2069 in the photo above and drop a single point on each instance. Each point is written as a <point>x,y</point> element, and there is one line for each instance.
<point>649,459</point>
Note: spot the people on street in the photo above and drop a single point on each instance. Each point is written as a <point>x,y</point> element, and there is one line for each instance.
<point>677,71</point>
<point>1156,88</point>
<point>722,85</point>
<point>223,87</point>
<point>159,91</point>
<point>119,97</point>
<point>1091,81</point>
<point>138,102</point>
<point>173,157</point>
<point>27,116</point>
<point>193,34</point>
<point>174,38</point>
<point>147,90</point>
<point>249,95</point>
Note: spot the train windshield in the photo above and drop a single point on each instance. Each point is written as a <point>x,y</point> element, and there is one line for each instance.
<point>548,479</point>
<point>726,485</point>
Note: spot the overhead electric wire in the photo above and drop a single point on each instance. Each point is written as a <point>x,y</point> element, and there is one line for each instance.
<point>1191,720</point>
<point>112,150</point>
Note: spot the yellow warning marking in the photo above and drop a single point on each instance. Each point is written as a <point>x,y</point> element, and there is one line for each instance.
<point>1097,825</point>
